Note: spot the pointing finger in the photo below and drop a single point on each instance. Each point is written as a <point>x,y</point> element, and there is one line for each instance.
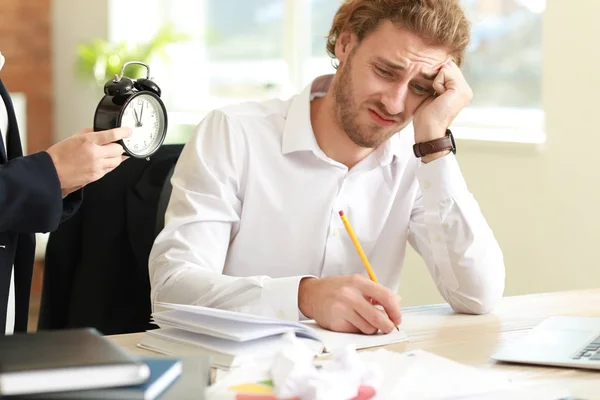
<point>110,136</point>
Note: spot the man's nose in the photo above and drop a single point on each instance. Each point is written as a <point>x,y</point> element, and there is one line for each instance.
<point>394,99</point>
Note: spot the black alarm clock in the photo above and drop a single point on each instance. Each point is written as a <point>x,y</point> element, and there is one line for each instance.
<point>133,103</point>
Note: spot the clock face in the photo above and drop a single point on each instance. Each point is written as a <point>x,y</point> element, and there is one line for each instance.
<point>145,115</point>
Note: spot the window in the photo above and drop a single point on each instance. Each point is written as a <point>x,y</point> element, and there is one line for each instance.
<point>254,49</point>
<point>258,49</point>
<point>503,65</point>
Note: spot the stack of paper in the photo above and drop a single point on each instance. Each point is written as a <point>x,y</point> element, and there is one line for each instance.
<point>233,338</point>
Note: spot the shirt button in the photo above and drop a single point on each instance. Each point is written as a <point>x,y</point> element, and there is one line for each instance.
<point>281,314</point>
<point>436,238</point>
<point>426,185</point>
<point>335,232</point>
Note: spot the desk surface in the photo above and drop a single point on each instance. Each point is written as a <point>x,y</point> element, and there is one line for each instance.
<point>471,339</point>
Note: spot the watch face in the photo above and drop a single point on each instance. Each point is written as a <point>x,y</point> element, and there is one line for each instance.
<point>145,115</point>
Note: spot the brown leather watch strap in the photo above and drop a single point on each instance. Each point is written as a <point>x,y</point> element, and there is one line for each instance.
<point>435,146</point>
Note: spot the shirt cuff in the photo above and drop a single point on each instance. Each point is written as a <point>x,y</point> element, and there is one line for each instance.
<point>280,298</point>
<point>441,179</point>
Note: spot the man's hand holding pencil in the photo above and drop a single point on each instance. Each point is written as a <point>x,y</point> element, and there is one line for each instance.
<point>350,303</point>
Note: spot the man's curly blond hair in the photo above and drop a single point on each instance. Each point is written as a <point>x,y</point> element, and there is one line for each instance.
<point>441,22</point>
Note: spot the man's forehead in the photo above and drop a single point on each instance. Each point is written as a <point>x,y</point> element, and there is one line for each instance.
<point>403,47</point>
<point>432,69</point>
<point>425,66</point>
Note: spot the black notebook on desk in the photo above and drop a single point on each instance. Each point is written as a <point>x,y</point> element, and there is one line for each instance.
<point>163,373</point>
<point>64,360</point>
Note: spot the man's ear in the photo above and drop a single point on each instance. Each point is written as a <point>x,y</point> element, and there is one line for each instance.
<point>344,45</point>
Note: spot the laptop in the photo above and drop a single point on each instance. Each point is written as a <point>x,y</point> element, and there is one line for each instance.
<point>557,341</point>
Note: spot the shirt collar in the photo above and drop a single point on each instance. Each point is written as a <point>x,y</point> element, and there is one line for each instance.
<point>298,134</point>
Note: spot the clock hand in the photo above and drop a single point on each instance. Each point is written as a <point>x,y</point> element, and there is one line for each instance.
<point>137,119</point>
<point>141,113</point>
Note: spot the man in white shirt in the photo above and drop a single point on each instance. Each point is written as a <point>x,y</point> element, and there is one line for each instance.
<point>37,192</point>
<point>253,225</point>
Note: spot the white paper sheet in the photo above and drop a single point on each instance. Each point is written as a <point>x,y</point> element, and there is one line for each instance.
<point>415,375</point>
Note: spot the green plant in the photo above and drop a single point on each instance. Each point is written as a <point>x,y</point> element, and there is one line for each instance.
<point>99,60</point>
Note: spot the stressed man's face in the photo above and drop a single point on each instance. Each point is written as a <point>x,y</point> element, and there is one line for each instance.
<point>382,81</point>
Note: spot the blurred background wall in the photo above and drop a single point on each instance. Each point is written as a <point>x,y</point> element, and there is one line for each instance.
<point>26,42</point>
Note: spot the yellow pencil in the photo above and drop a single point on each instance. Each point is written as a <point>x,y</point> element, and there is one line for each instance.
<point>359,249</point>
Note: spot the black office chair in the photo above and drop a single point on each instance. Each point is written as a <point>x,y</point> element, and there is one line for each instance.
<point>96,265</point>
<point>163,202</point>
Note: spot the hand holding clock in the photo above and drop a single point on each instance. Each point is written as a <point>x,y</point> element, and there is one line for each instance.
<point>87,156</point>
<point>92,153</point>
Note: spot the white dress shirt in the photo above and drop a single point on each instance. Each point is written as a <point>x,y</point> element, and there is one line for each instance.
<point>255,205</point>
<point>10,316</point>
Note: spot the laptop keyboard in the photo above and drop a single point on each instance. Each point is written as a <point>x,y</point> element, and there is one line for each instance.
<point>590,352</point>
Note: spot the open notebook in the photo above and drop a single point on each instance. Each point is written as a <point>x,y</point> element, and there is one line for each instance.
<point>233,338</point>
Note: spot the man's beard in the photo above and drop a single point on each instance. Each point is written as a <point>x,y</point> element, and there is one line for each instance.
<point>346,112</point>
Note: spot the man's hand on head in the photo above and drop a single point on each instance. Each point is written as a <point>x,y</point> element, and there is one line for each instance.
<point>434,116</point>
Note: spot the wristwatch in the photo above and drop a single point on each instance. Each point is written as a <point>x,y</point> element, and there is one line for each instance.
<point>435,146</point>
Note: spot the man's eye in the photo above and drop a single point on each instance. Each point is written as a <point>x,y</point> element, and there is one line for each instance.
<point>420,89</point>
<point>383,72</point>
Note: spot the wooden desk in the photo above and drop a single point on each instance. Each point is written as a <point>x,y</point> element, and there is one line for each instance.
<point>471,339</point>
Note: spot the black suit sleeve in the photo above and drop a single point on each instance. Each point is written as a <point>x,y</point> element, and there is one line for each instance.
<point>30,195</point>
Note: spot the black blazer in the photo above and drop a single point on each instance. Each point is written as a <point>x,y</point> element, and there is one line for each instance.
<point>30,202</point>
<point>96,268</point>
